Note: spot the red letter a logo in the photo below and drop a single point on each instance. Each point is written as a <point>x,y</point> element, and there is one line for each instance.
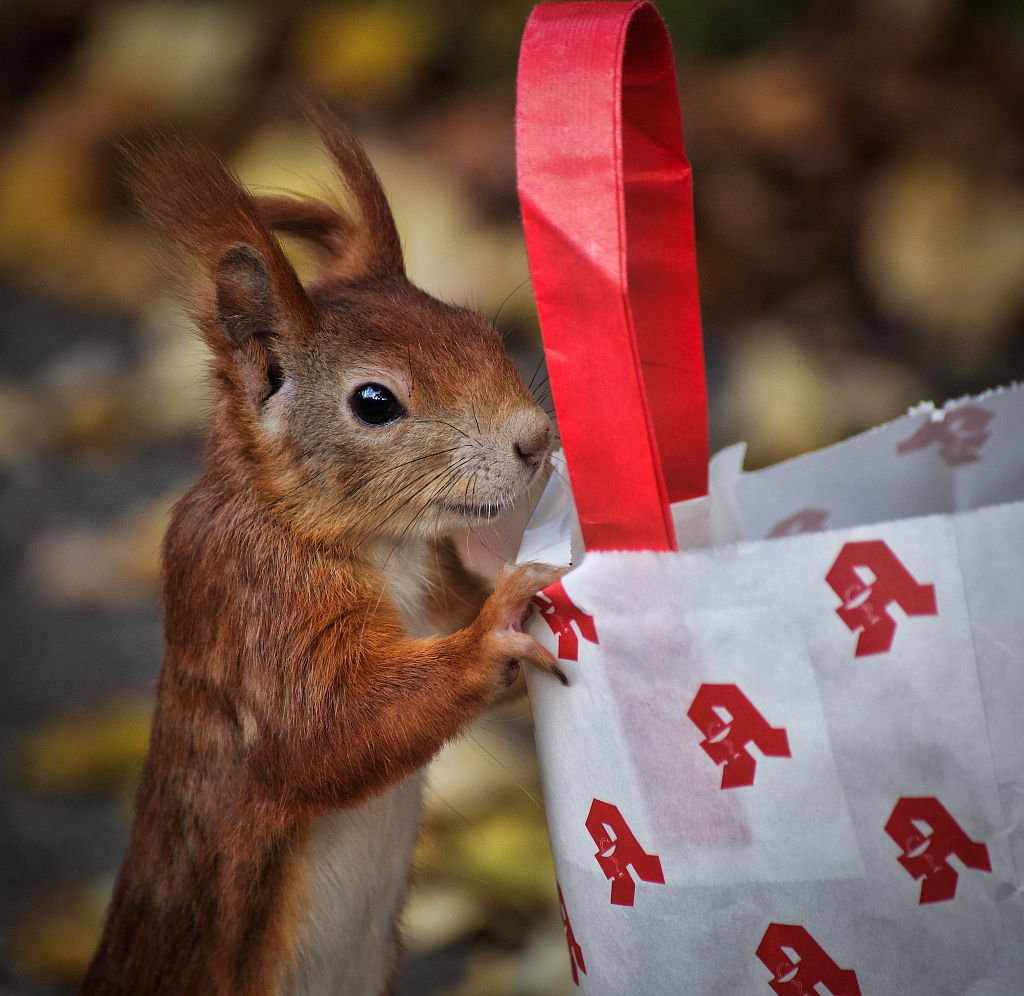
<point>960,435</point>
<point>865,601</point>
<point>726,736</point>
<point>799,964</point>
<point>576,962</point>
<point>558,611</point>
<point>929,837</point>
<point>618,850</point>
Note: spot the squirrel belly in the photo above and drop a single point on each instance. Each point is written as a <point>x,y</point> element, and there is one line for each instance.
<point>353,873</point>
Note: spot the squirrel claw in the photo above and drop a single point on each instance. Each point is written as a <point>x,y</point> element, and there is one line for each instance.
<point>547,663</point>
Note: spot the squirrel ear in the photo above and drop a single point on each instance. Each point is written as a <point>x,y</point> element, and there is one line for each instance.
<point>189,194</point>
<point>247,315</point>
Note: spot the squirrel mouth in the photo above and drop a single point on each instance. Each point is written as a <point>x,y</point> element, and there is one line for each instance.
<point>468,511</point>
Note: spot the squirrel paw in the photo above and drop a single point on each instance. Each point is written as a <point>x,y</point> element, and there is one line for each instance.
<point>504,613</point>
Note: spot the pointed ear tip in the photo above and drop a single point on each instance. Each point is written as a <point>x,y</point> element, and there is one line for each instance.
<point>241,253</point>
<point>327,123</point>
<point>241,265</point>
<point>162,167</point>
<point>315,110</point>
<point>139,162</point>
<point>157,149</point>
<point>135,150</point>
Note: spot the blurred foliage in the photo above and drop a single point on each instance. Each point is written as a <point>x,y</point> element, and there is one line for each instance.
<point>97,752</point>
<point>57,936</point>
<point>720,28</point>
<point>860,211</point>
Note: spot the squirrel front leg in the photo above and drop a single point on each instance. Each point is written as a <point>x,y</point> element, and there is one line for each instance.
<point>374,708</point>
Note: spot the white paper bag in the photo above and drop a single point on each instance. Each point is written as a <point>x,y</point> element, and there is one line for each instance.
<point>791,754</point>
<point>799,761</point>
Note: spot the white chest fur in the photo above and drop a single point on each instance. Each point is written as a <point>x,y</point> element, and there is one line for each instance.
<point>356,867</point>
<point>355,864</point>
<point>405,572</point>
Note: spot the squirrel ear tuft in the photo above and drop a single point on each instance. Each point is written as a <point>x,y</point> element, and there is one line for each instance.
<point>259,303</point>
<point>378,248</point>
<point>189,194</point>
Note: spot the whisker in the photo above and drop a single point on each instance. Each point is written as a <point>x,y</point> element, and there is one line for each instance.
<point>420,478</point>
<point>437,421</point>
<point>412,374</point>
<point>451,471</point>
<point>529,795</point>
<point>481,725</point>
<point>540,363</point>
<point>308,479</point>
<point>451,449</point>
<point>441,491</point>
<point>443,473</point>
<point>420,863</point>
<point>437,795</point>
<point>401,536</point>
<point>392,467</point>
<point>405,487</point>
<point>565,480</point>
<point>437,493</point>
<point>304,481</point>
<point>497,556</point>
<point>507,298</point>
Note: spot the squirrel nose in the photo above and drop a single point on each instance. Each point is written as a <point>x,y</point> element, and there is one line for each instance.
<point>532,448</point>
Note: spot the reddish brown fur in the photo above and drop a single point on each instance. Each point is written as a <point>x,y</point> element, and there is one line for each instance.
<point>289,686</point>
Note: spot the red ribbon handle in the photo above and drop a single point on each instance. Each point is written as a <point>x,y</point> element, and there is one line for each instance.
<point>607,206</point>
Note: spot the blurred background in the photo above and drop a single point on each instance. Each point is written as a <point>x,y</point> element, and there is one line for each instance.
<point>859,174</point>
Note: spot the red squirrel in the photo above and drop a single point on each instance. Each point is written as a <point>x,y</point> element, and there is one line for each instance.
<point>323,640</point>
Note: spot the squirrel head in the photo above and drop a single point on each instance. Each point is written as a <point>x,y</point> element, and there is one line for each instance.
<point>359,405</point>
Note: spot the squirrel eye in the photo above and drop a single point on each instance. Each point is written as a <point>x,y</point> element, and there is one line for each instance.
<point>375,404</point>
